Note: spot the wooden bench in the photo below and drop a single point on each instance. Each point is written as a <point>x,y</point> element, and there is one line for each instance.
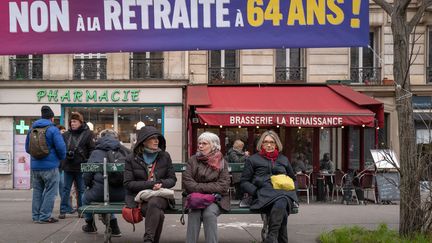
<point>106,208</point>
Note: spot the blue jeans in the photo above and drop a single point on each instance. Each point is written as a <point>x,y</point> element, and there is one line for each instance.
<point>89,216</point>
<point>69,178</point>
<point>45,186</point>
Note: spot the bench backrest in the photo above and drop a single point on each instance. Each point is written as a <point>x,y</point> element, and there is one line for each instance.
<point>118,167</point>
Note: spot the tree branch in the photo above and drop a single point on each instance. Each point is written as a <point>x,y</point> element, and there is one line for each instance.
<point>419,14</point>
<point>388,8</point>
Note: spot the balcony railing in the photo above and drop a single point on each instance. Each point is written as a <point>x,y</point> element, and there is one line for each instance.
<point>93,68</point>
<point>429,75</point>
<point>25,68</point>
<point>147,68</point>
<point>223,75</point>
<point>290,74</point>
<point>366,75</point>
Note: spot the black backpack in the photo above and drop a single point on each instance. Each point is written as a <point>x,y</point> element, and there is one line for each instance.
<point>38,145</point>
<point>115,179</point>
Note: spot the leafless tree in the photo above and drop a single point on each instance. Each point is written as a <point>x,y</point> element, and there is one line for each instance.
<point>412,217</point>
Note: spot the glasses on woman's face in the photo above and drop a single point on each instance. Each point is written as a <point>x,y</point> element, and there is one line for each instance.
<point>269,142</point>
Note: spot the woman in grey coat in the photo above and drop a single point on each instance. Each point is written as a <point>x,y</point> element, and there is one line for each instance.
<point>256,181</point>
<point>207,173</point>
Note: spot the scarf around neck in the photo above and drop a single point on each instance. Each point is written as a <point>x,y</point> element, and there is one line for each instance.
<point>270,155</point>
<point>150,155</point>
<point>214,159</point>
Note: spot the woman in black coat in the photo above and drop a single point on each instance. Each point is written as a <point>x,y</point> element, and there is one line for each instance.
<point>256,181</point>
<point>149,167</point>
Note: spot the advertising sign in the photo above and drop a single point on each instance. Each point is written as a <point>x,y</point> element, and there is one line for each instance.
<point>82,26</point>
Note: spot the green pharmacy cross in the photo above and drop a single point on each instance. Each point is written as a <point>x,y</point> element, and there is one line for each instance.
<point>22,127</point>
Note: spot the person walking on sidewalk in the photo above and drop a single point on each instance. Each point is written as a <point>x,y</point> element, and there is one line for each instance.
<point>80,144</point>
<point>107,146</point>
<point>44,171</point>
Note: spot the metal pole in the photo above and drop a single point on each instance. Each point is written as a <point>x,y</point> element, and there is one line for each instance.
<point>105,177</point>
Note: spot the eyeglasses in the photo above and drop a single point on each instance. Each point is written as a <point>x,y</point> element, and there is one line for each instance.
<point>269,142</point>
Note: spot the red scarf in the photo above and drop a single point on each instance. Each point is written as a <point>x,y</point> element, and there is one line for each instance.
<point>270,155</point>
<point>213,159</point>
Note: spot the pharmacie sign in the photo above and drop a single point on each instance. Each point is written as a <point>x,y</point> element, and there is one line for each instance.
<point>87,95</point>
<point>79,26</point>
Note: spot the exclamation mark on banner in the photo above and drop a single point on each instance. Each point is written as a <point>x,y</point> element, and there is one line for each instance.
<point>355,22</point>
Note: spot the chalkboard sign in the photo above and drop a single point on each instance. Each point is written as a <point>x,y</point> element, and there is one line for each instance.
<point>388,186</point>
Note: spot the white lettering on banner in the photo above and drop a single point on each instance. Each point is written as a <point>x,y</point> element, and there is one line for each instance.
<point>281,120</point>
<point>39,17</point>
<point>166,15</point>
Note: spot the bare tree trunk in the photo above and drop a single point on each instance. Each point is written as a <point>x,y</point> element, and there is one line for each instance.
<point>410,211</point>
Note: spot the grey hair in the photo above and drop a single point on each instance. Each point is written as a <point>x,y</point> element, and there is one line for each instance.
<point>108,132</point>
<point>274,136</point>
<point>212,138</point>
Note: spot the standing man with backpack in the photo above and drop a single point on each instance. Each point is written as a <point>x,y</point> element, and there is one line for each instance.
<point>79,144</point>
<point>107,146</point>
<point>46,146</point>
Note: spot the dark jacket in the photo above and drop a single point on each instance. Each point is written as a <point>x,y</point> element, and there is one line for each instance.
<point>234,156</point>
<point>199,177</point>
<point>95,181</point>
<point>55,143</point>
<point>83,149</point>
<point>136,172</point>
<point>256,181</point>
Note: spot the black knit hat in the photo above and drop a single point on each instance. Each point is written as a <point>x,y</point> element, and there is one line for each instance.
<point>46,112</point>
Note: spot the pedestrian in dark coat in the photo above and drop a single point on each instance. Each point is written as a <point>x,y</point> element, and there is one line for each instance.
<point>207,172</point>
<point>256,181</point>
<point>79,142</point>
<point>149,167</point>
<point>107,146</point>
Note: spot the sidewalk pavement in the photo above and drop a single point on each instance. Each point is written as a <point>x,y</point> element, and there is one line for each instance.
<point>16,224</point>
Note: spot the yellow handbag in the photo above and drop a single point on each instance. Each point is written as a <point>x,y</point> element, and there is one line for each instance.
<point>282,182</point>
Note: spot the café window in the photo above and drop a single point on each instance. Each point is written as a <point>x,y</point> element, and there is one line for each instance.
<point>124,120</point>
<point>302,143</point>
<point>354,148</point>
<point>368,144</point>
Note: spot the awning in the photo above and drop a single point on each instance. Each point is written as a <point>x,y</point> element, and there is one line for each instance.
<point>292,106</point>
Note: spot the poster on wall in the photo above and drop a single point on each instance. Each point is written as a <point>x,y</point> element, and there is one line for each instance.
<point>5,163</point>
<point>21,164</point>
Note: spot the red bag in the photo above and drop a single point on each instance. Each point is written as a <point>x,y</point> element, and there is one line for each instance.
<point>132,215</point>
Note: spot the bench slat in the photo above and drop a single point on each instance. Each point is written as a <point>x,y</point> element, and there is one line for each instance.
<point>119,167</point>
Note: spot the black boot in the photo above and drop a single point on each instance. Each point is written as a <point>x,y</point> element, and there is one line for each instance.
<point>90,227</point>
<point>275,221</point>
<point>115,230</point>
<point>283,231</point>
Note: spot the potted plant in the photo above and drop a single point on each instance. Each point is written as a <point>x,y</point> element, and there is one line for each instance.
<point>387,81</point>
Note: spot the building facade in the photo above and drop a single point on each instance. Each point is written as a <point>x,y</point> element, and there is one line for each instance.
<point>124,90</point>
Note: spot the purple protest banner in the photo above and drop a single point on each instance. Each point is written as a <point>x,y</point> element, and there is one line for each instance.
<point>82,26</point>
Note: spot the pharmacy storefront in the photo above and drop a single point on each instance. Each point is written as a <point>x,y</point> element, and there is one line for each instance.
<point>123,109</point>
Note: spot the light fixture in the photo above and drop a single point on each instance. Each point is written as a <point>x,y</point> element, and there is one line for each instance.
<point>89,123</point>
<point>377,128</point>
<point>322,128</point>
<point>140,124</point>
<point>363,125</point>
<point>205,124</point>
<point>239,126</point>
<point>277,126</point>
<point>299,127</point>
<point>342,127</point>
<point>220,126</point>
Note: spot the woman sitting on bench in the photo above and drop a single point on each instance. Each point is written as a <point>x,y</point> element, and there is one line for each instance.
<point>206,173</point>
<point>149,167</point>
<point>256,181</point>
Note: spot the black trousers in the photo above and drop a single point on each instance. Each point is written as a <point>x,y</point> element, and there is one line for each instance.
<point>153,211</point>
